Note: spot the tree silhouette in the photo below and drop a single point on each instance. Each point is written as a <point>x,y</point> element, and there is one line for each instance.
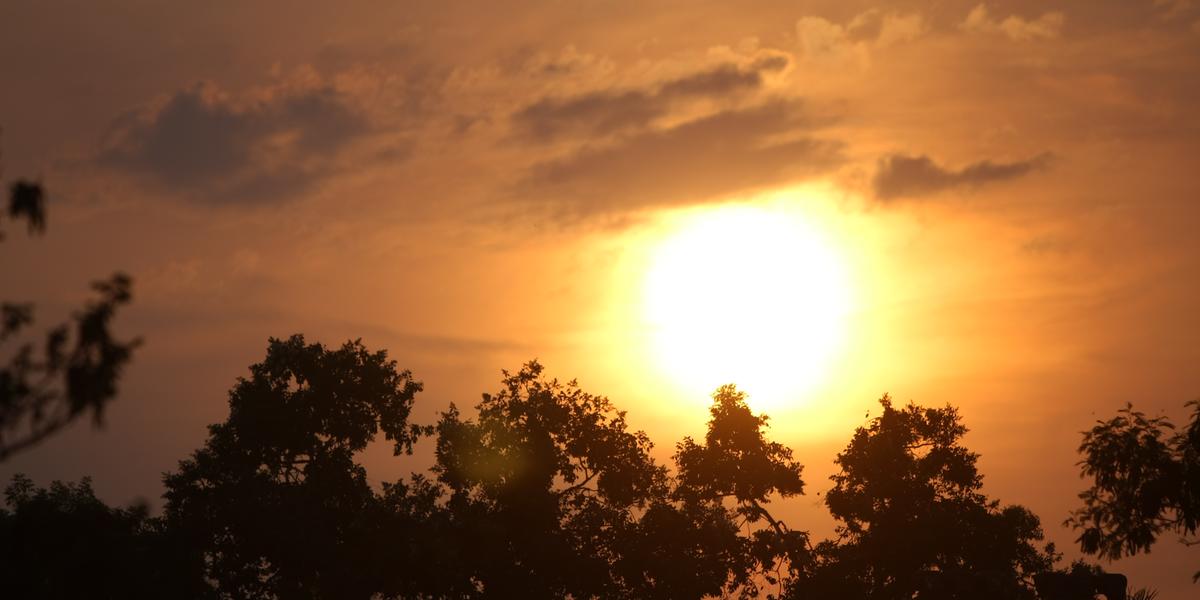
<point>683,548</point>
<point>542,492</point>
<point>737,464</point>
<point>63,542</point>
<point>540,486</point>
<point>275,500</point>
<point>76,370</point>
<point>1082,582</point>
<point>1142,594</point>
<point>1145,481</point>
<point>914,522</point>
<point>553,497</point>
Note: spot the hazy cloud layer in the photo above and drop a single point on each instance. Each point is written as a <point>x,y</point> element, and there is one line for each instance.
<point>721,154</point>
<point>1047,26</point>
<point>208,145</point>
<point>834,44</point>
<point>906,176</point>
<point>1170,9</point>
<point>607,112</point>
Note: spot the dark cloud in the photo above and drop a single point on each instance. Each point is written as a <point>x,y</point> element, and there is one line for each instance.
<point>721,81</point>
<point>600,113</point>
<point>206,145</point>
<point>901,175</point>
<point>729,152</point>
<point>607,112</point>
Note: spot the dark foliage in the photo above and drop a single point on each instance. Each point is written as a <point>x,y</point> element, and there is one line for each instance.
<point>541,487</point>
<point>27,201</point>
<point>914,523</point>
<point>542,492</point>
<point>275,500</point>
<point>1081,582</point>
<point>63,542</point>
<point>75,371</point>
<point>1145,481</point>
<point>545,493</point>
<point>553,497</point>
<point>737,465</point>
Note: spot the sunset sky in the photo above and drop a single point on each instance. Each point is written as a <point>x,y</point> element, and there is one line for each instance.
<point>995,206</point>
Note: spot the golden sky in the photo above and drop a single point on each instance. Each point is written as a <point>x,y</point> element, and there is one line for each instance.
<point>1009,192</point>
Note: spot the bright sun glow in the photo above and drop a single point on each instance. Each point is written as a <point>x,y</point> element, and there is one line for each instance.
<point>750,296</point>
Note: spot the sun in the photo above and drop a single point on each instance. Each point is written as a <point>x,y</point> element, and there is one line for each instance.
<point>747,295</point>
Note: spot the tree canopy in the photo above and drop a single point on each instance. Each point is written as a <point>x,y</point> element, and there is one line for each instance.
<point>543,493</point>
<point>914,522</point>
<point>542,490</point>
<point>738,464</point>
<point>1145,477</point>
<point>275,499</point>
<point>63,542</point>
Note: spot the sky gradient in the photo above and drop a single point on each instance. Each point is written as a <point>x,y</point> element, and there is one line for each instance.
<point>1012,188</point>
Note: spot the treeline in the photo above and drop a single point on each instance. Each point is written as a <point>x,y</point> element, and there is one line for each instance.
<point>541,491</point>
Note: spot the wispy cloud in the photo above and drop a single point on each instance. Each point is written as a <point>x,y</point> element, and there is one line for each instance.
<point>606,112</point>
<point>1047,26</point>
<point>725,153</point>
<point>906,176</point>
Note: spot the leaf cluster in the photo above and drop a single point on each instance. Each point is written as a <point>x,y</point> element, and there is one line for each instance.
<point>1145,481</point>
<point>74,372</point>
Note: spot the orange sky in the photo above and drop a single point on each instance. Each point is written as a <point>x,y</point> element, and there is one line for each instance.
<point>1012,188</point>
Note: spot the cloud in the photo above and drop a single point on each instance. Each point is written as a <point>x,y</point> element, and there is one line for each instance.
<point>566,62</point>
<point>820,39</point>
<point>725,153</point>
<point>1170,9</point>
<point>607,112</point>
<point>901,175</point>
<point>1047,26</point>
<point>1048,245</point>
<point>824,41</point>
<point>206,144</point>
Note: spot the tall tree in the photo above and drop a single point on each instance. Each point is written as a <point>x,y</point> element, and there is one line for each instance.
<point>539,486</point>
<point>737,471</point>
<point>914,522</point>
<point>1145,482</point>
<point>275,499</point>
<point>75,371</point>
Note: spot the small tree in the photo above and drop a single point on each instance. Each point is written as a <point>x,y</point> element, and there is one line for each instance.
<point>1145,482</point>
